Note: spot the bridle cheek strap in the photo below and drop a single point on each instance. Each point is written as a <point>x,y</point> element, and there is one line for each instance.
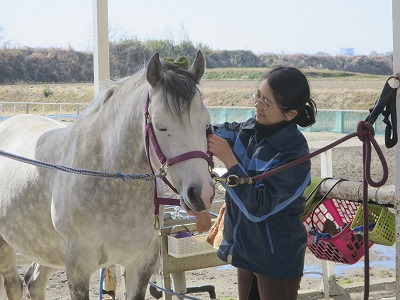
<point>190,155</point>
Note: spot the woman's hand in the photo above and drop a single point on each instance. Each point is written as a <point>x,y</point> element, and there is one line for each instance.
<point>203,221</point>
<point>221,149</point>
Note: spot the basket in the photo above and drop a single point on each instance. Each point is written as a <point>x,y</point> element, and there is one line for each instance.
<point>189,246</point>
<point>344,247</point>
<point>384,231</point>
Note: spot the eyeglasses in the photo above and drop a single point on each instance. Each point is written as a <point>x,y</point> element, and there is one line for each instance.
<point>265,103</point>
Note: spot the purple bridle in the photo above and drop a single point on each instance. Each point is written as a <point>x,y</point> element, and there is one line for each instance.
<point>166,163</point>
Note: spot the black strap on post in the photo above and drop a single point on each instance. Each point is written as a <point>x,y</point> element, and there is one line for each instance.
<point>386,105</point>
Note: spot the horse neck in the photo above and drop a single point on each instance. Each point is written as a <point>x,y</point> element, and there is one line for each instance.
<point>117,132</point>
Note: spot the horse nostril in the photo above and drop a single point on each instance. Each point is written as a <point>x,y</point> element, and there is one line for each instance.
<point>191,192</point>
<point>194,196</point>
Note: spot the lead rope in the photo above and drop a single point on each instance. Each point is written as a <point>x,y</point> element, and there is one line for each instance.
<point>365,137</point>
<point>364,129</point>
<point>42,164</point>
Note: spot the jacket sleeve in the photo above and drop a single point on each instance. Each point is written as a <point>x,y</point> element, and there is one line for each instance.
<point>228,131</point>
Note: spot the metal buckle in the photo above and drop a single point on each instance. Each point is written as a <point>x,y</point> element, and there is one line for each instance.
<point>163,170</point>
<point>156,222</point>
<point>231,180</point>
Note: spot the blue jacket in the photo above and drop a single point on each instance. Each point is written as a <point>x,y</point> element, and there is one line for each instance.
<point>263,232</point>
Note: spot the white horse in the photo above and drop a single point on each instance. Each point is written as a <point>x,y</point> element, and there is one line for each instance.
<point>80,223</point>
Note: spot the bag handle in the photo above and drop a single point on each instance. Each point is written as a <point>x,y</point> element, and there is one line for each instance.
<point>317,187</point>
<point>313,228</point>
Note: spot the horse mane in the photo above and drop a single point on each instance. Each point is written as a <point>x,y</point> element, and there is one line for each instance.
<point>179,88</point>
<point>181,85</point>
<point>110,87</point>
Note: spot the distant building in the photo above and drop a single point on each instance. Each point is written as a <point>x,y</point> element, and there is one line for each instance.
<point>322,54</point>
<point>346,51</point>
<point>378,54</point>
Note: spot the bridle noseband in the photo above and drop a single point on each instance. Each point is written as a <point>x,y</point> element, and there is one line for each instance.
<point>150,137</point>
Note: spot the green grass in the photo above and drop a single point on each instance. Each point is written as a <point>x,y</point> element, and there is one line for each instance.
<point>346,281</point>
<point>257,73</point>
<point>234,73</point>
<point>223,87</point>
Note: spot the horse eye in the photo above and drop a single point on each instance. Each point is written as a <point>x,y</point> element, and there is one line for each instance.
<point>163,129</point>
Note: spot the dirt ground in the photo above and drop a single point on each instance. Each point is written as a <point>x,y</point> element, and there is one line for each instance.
<point>347,164</point>
<point>223,278</point>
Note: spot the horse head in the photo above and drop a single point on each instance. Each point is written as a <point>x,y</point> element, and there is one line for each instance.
<point>179,120</point>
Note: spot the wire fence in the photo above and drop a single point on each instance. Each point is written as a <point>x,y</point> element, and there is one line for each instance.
<point>338,121</point>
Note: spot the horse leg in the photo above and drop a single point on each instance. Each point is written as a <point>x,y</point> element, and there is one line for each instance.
<point>36,280</point>
<point>138,276</point>
<point>78,272</point>
<point>8,268</point>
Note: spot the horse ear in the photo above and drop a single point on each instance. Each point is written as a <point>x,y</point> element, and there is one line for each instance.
<point>154,70</point>
<point>198,67</point>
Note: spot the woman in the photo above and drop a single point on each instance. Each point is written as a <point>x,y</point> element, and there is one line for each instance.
<point>263,236</point>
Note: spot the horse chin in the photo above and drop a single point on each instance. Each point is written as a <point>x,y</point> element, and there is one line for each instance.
<point>199,207</point>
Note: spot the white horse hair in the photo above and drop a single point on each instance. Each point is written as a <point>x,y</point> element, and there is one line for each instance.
<point>84,223</point>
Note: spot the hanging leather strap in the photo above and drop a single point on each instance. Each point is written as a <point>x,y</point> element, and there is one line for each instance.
<point>386,105</point>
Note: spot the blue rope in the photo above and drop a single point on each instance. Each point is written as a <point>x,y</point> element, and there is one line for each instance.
<point>101,284</point>
<point>319,235</point>
<point>361,227</point>
<point>37,163</point>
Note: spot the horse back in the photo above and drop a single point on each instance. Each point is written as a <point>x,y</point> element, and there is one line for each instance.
<point>17,131</point>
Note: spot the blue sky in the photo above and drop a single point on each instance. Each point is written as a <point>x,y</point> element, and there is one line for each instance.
<point>279,26</point>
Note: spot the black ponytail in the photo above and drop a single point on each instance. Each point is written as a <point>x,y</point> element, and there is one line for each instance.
<point>306,117</point>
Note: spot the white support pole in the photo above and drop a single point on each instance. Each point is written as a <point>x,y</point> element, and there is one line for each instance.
<point>101,63</point>
<point>326,171</point>
<point>326,164</point>
<point>396,69</point>
<point>101,56</point>
<point>328,268</point>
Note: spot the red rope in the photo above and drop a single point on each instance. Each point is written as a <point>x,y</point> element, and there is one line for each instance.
<point>365,133</point>
<point>302,159</point>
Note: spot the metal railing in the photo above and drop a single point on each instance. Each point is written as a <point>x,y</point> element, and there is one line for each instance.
<point>8,109</point>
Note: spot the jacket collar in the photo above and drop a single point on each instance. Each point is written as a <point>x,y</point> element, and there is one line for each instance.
<point>286,137</point>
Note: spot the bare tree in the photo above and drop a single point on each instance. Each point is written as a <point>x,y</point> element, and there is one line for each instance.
<point>4,43</point>
<point>1,35</point>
